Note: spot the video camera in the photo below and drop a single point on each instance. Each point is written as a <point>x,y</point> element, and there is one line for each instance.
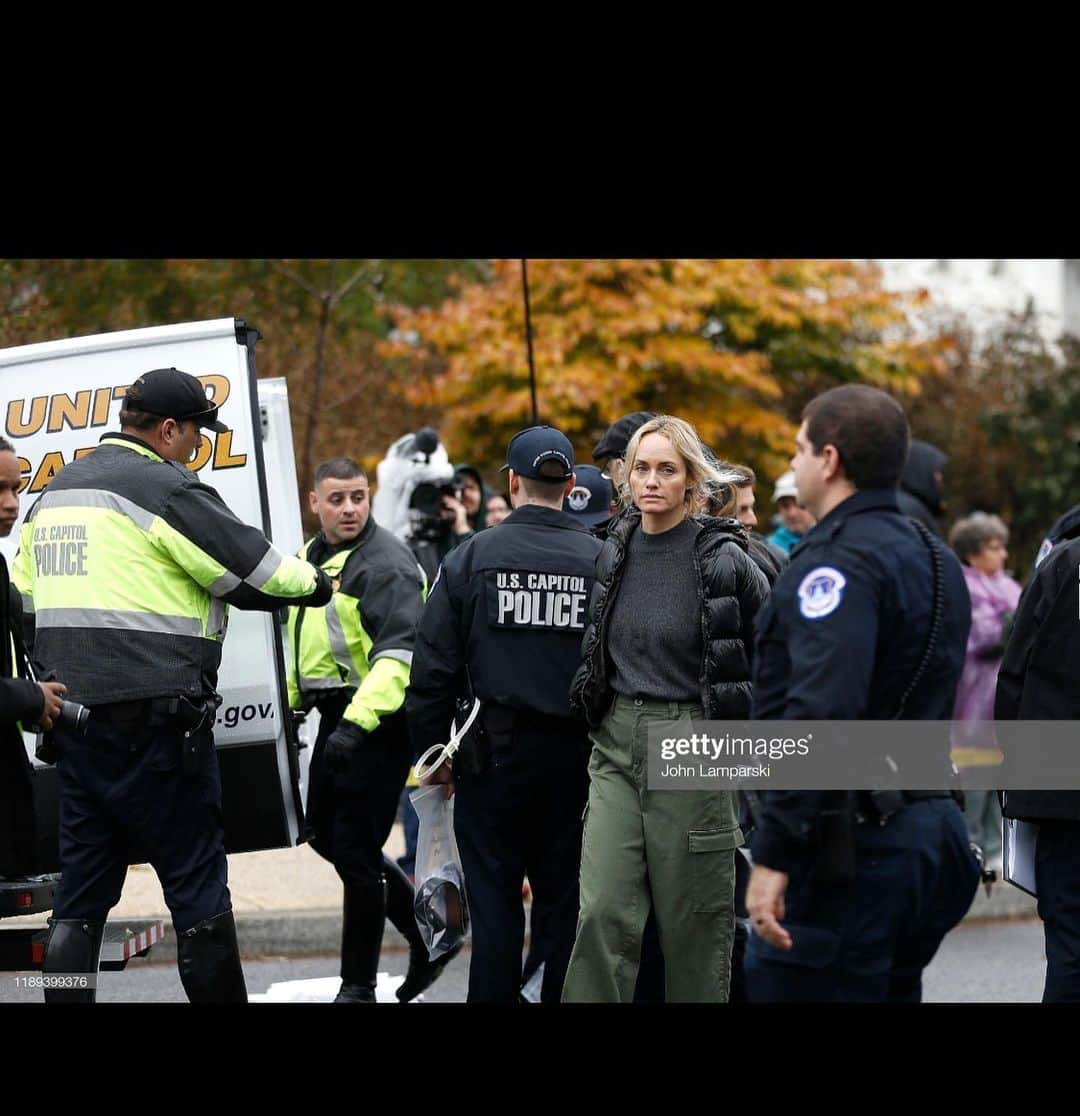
<point>426,512</point>
<point>413,478</point>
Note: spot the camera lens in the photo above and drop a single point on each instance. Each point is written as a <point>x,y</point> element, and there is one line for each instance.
<point>74,715</point>
<point>426,499</point>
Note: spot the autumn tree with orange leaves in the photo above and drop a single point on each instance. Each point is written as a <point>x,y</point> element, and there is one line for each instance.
<point>320,322</point>
<point>735,346</point>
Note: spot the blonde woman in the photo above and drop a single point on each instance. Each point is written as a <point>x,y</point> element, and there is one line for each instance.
<point>670,638</point>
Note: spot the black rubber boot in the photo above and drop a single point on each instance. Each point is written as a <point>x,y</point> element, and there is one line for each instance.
<point>73,946</point>
<point>423,972</point>
<point>208,957</point>
<point>362,923</point>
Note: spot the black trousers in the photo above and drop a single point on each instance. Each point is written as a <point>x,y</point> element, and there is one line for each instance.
<point>521,816</point>
<point>126,799</point>
<point>350,814</point>
<point>1057,880</point>
<point>869,941</point>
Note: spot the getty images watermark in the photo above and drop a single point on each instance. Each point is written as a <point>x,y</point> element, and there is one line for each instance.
<point>864,755</point>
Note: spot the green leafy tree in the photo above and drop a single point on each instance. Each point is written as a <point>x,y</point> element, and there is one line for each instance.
<point>1008,414</point>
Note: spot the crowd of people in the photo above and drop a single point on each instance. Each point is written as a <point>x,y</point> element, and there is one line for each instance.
<point>579,604</point>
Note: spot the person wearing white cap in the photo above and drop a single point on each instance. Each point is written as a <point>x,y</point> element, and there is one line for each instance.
<point>796,520</point>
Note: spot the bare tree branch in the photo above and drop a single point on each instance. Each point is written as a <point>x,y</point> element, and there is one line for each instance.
<point>353,280</point>
<point>299,280</point>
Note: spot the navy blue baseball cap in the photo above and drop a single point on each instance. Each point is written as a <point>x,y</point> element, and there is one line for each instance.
<point>170,393</point>
<point>530,448</point>
<point>589,501</point>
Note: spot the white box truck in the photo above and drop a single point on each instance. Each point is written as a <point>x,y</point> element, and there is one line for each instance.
<point>58,398</point>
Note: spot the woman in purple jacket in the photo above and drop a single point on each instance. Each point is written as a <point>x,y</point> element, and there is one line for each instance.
<point>980,543</point>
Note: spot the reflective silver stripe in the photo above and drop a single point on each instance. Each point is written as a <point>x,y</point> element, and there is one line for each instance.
<point>97,498</point>
<point>321,683</point>
<point>224,584</point>
<point>339,645</point>
<point>215,621</point>
<point>27,602</point>
<point>267,567</point>
<point>114,618</point>
<point>396,654</point>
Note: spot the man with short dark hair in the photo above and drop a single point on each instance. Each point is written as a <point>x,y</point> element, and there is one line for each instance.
<point>505,620</point>
<point>851,633</point>
<point>21,699</point>
<point>351,661</point>
<point>131,607</point>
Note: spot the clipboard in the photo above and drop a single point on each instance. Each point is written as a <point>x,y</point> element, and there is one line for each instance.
<point>1018,840</point>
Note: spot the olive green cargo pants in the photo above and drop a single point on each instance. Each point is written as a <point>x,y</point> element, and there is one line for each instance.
<point>671,849</point>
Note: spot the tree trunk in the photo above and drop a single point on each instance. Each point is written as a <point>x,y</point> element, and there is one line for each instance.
<point>320,370</point>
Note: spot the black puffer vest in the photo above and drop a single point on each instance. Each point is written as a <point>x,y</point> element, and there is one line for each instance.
<point>732,590</point>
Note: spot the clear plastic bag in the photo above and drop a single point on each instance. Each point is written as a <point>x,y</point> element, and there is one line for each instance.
<point>441,910</point>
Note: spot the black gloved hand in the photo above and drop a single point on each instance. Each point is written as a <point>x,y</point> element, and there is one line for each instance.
<point>323,591</point>
<point>342,746</point>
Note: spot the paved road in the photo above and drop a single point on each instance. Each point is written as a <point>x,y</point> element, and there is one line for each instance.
<point>154,979</point>
<point>988,962</point>
<point>978,963</point>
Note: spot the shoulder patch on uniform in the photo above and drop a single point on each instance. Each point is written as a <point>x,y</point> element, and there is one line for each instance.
<point>821,592</point>
<point>1044,550</point>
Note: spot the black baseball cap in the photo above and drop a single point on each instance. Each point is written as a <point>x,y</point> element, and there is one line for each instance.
<point>589,501</point>
<point>530,448</point>
<point>170,393</point>
<point>617,436</point>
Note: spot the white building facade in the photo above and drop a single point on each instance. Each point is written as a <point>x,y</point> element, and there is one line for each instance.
<point>985,290</point>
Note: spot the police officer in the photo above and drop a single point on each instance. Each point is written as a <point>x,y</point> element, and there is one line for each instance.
<point>1066,526</point>
<point>1038,682</point>
<point>130,563</point>
<point>849,627</point>
<point>351,660</point>
<point>507,614</point>
<point>589,501</point>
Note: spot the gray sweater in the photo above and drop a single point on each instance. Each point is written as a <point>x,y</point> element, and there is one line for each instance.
<point>654,637</point>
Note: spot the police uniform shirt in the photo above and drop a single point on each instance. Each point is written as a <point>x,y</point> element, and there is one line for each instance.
<point>511,604</point>
<point>1038,679</point>
<point>842,635</point>
<point>1066,526</point>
